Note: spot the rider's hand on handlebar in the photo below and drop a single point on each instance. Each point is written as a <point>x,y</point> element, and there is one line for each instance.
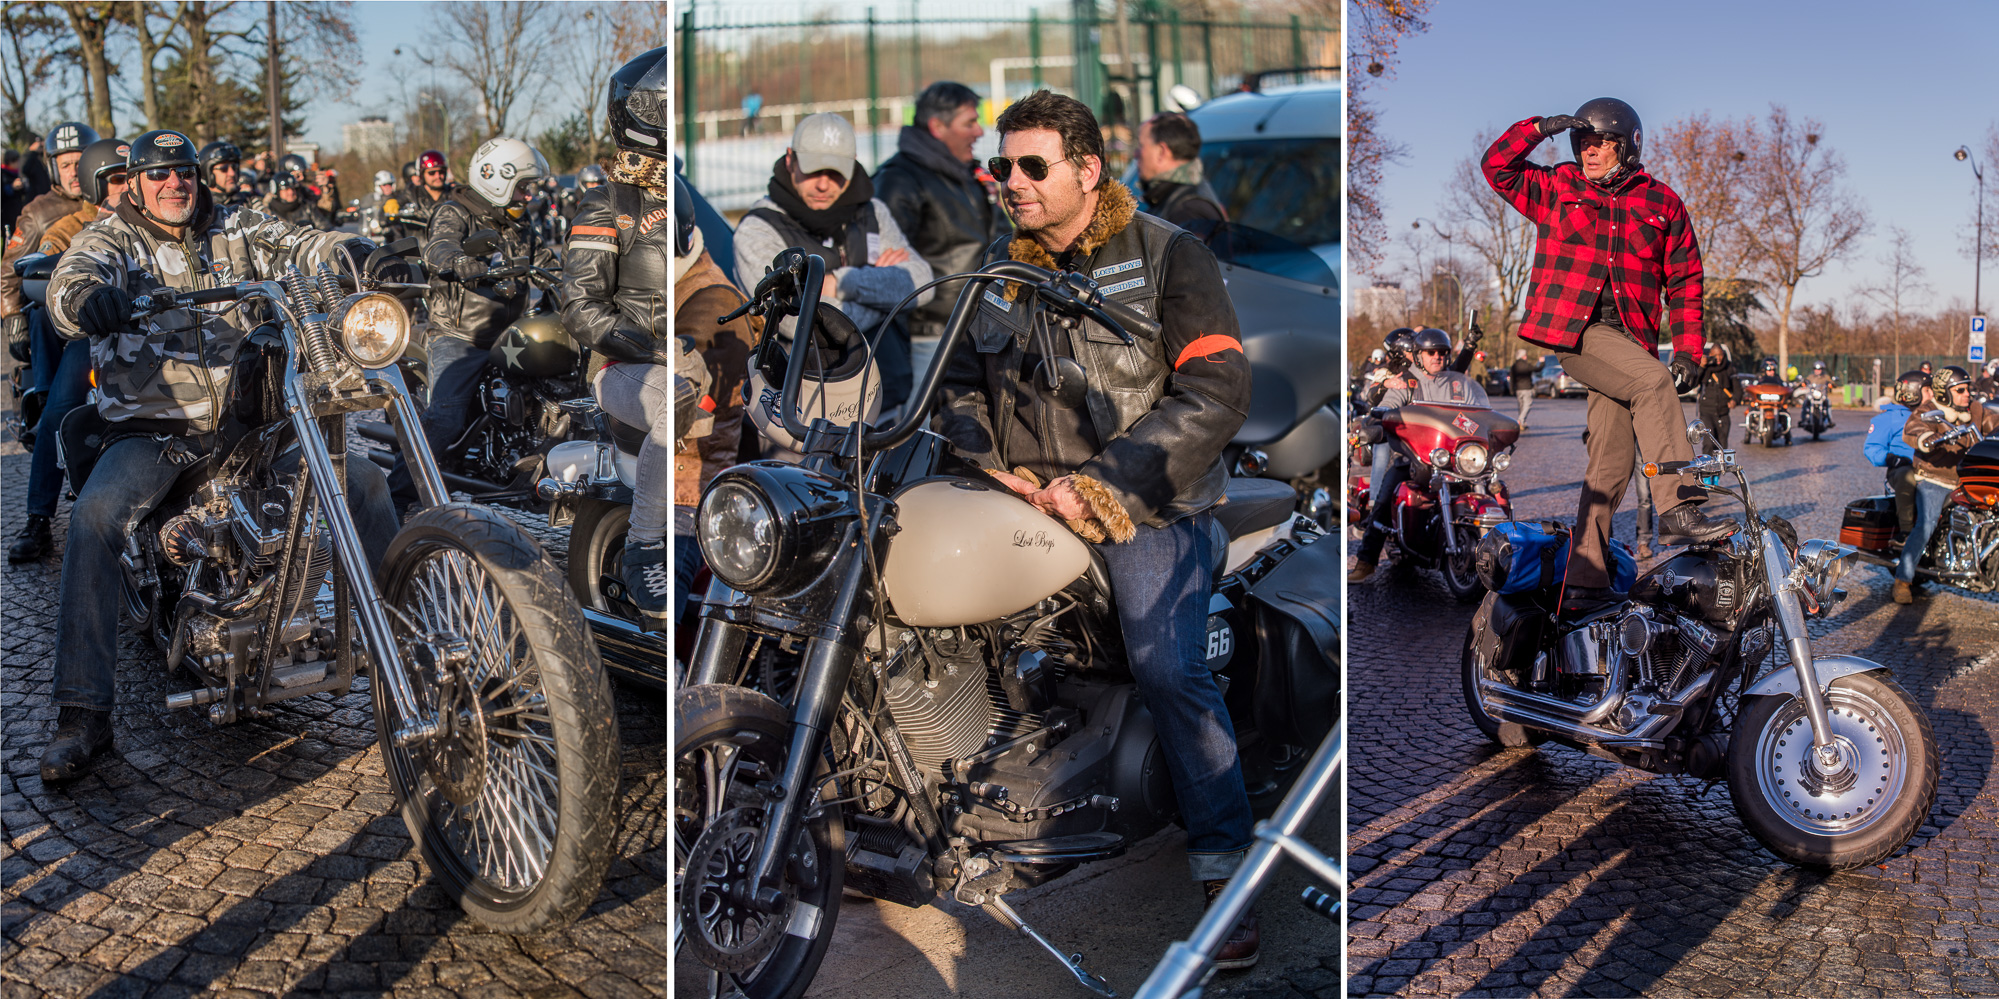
<point>106,311</point>
<point>1686,370</point>
<point>1562,123</point>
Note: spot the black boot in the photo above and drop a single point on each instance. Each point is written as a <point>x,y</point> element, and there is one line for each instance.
<point>81,733</point>
<point>648,579</point>
<point>33,542</point>
<point>1687,525</point>
<point>1244,941</point>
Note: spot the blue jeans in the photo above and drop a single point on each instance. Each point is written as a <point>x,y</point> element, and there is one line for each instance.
<point>69,387</point>
<point>1930,500</point>
<point>454,365</point>
<point>1161,581</point>
<point>130,478</point>
<point>45,347</point>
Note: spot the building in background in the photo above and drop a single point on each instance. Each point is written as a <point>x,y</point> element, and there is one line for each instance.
<point>372,138</point>
<point>1384,304</point>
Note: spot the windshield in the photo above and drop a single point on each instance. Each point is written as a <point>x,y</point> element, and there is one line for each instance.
<point>1262,252</point>
<point>1289,188</point>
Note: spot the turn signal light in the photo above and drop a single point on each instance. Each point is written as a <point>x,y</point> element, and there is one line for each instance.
<point>1651,469</point>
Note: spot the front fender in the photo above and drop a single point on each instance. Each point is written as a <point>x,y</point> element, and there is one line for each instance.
<point>1827,668</point>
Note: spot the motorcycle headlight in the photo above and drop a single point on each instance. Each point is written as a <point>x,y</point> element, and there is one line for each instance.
<point>738,532</point>
<point>1817,395</point>
<point>1501,461</point>
<point>1440,457</point>
<point>1472,459</point>
<point>374,328</point>
<point>1819,568</point>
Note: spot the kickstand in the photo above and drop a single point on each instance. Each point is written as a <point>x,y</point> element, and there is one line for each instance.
<point>1074,962</point>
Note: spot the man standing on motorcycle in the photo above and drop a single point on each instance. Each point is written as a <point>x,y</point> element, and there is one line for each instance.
<point>1717,391</point>
<point>1936,463</point>
<point>1886,448</point>
<point>472,299</point>
<point>162,388</point>
<point>1137,460</point>
<point>1431,380</point>
<point>1612,242</point>
<point>620,267</point>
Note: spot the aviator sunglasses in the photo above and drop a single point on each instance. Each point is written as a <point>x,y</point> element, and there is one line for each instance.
<point>1035,167</point>
<point>159,174</point>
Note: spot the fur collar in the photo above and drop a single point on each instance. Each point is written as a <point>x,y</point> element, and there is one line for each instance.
<point>1954,415</point>
<point>1115,209</point>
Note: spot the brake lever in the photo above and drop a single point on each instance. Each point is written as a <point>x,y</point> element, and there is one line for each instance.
<point>1072,294</point>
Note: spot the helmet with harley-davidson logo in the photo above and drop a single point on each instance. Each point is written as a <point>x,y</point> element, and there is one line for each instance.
<point>637,104</point>
<point>162,147</point>
<point>1946,378</point>
<point>1909,387</point>
<point>1610,116</point>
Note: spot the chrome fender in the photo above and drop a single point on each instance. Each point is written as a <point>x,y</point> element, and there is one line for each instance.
<point>1826,668</point>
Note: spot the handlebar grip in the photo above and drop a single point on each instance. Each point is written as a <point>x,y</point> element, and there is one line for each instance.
<point>1653,468</point>
<point>210,296</point>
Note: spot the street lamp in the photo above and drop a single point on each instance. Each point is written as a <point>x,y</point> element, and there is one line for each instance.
<point>1978,241</point>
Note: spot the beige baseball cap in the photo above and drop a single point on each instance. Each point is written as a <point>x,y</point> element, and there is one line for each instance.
<point>824,141</point>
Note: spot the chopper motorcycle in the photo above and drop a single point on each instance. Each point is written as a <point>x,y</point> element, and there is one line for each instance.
<point>1814,410</point>
<point>1829,762</point>
<point>1454,494</point>
<point>960,720</point>
<point>1964,548</point>
<point>1767,413</point>
<point>492,710</point>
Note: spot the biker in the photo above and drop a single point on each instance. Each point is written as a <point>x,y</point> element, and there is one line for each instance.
<point>589,179</point>
<point>222,172</point>
<point>1135,465</point>
<point>1936,465</point>
<point>1885,447</point>
<point>1612,242</point>
<point>376,209</point>
<point>432,186</point>
<point>289,201</point>
<point>1430,380</point>
<point>1717,390</point>
<point>473,300</point>
<point>160,388</point>
<point>1822,380</point>
<point>615,283</point>
<point>63,149</point>
<point>64,369</point>
<point>941,197</point>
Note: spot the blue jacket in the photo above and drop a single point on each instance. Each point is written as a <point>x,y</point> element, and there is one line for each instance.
<point>1884,436</point>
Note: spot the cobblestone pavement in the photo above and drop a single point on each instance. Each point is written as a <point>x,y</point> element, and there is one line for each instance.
<point>267,857</point>
<point>1484,871</point>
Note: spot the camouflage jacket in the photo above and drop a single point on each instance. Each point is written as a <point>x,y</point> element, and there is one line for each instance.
<point>26,238</point>
<point>177,365</point>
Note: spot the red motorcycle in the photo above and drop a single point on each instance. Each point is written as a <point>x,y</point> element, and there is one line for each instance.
<point>1453,495</point>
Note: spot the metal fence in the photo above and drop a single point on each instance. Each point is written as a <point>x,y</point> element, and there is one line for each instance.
<point>745,79</point>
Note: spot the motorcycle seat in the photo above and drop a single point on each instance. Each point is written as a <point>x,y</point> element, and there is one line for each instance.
<point>1255,504</point>
<point>628,438</point>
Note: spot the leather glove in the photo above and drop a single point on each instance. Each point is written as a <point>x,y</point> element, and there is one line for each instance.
<point>1562,123</point>
<point>1474,333</point>
<point>470,268</point>
<point>16,332</point>
<point>107,311</point>
<point>389,267</point>
<point>1686,371</point>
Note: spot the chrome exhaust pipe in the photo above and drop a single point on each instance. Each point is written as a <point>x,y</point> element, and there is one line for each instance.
<point>1566,723</point>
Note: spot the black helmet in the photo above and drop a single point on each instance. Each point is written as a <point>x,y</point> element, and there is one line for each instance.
<point>292,163</point>
<point>160,148</point>
<point>1770,365</point>
<point>590,176</point>
<point>219,151</point>
<point>1946,378</point>
<point>1432,338</point>
<point>1610,116</point>
<point>1818,365</point>
<point>1401,337</point>
<point>409,170</point>
<point>683,218</point>
<point>100,160</point>
<point>68,137</point>
<point>1909,387</point>
<point>283,182</point>
<point>637,105</point>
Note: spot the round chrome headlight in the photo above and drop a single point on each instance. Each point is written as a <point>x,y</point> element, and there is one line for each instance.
<point>1472,459</point>
<point>738,532</point>
<point>1440,457</point>
<point>1500,461</point>
<point>374,328</point>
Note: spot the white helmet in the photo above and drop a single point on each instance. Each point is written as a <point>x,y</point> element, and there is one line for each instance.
<point>500,165</point>
<point>831,385</point>
<point>384,177</point>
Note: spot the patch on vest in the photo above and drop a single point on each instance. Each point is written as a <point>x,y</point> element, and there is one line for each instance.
<point>997,302</point>
<point>1112,289</point>
<point>651,221</point>
<point>1110,269</point>
<point>624,221</point>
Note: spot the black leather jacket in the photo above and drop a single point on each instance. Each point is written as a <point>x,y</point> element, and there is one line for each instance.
<point>945,213</point>
<point>1158,412</point>
<point>1194,207</point>
<point>479,309</point>
<point>617,278</point>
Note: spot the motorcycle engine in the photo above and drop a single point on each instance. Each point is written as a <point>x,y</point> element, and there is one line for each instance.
<point>937,694</point>
<point>1967,539</point>
<point>1665,654</point>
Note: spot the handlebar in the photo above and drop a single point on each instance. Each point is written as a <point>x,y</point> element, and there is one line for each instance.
<point>147,306</point>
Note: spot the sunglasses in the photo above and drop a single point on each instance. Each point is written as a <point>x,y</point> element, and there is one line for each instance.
<point>1035,167</point>
<point>1433,350</point>
<point>159,174</point>
<point>439,173</point>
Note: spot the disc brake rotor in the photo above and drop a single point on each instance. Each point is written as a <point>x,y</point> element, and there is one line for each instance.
<point>455,758</point>
<point>724,931</point>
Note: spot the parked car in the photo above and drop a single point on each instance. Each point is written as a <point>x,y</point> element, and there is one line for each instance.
<point>1555,383</point>
<point>1272,153</point>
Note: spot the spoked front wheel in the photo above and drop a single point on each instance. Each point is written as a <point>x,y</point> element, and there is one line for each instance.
<point>508,772</point>
<point>1841,816</point>
<point>1461,569</point>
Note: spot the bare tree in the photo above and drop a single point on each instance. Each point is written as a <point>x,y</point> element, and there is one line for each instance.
<point>1483,223</point>
<point>140,15</point>
<point>1376,28</point>
<point>1900,287</point>
<point>498,50</point>
<point>34,34</point>
<point>1707,163</point>
<point>91,21</point>
<point>1801,219</point>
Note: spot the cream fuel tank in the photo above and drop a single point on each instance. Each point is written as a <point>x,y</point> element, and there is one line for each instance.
<point>968,553</point>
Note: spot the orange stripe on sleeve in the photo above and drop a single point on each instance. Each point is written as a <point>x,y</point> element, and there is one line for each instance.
<point>594,230</point>
<point>1213,343</point>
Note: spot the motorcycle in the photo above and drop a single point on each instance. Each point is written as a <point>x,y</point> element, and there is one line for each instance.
<point>960,719</point>
<point>1964,548</point>
<point>1767,414</point>
<point>1829,762</point>
<point>34,270</point>
<point>492,709</point>
<point>516,414</point>
<point>1454,494</point>
<point>1814,411</point>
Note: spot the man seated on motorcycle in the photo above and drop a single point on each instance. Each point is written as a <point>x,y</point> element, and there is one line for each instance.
<point>1134,461</point>
<point>162,387</point>
<point>1429,380</point>
<point>222,172</point>
<point>472,299</point>
<point>1886,448</point>
<point>64,149</point>
<point>1820,379</point>
<point>1936,463</point>
<point>288,202</point>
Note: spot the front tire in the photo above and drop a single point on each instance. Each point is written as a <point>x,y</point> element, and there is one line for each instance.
<point>513,801</point>
<point>1461,570</point>
<point>1889,746</point>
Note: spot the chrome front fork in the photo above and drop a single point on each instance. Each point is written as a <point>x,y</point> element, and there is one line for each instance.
<point>1790,613</point>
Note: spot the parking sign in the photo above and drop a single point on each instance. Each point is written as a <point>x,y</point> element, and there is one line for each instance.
<point>1975,351</point>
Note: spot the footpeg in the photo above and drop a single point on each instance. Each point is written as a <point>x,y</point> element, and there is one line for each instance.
<point>1074,962</point>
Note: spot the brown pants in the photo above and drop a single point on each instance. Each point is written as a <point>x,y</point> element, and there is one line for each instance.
<point>1632,409</point>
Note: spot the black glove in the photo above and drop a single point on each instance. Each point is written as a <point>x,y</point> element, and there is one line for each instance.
<point>1562,123</point>
<point>16,332</point>
<point>1473,333</point>
<point>470,268</point>
<point>1686,371</point>
<point>106,311</point>
<point>391,268</point>
<point>508,272</point>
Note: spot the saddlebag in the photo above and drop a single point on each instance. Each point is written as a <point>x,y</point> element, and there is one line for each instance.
<point>1297,632</point>
<point>1869,523</point>
<point>1521,557</point>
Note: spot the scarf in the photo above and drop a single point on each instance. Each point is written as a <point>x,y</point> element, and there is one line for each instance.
<point>1188,173</point>
<point>650,172</point>
<point>826,223</point>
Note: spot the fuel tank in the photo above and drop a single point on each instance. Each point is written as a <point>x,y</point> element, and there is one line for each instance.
<point>537,346</point>
<point>968,552</point>
<point>1978,472</point>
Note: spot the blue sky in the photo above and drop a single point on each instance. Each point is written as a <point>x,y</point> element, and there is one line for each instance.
<point>1898,86</point>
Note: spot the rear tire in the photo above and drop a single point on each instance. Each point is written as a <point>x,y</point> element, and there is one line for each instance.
<point>597,549</point>
<point>1508,734</point>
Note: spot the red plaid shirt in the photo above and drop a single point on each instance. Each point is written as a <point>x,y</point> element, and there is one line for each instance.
<point>1636,236</point>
